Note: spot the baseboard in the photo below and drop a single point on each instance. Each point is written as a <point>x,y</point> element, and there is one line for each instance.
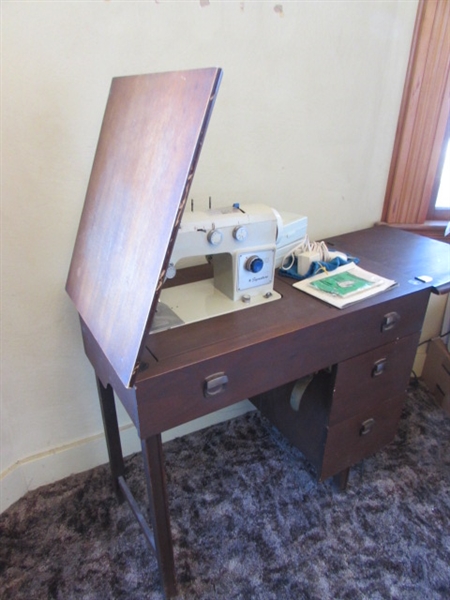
<point>47,467</point>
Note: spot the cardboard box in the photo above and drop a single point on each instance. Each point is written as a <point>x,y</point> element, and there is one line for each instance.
<point>436,372</point>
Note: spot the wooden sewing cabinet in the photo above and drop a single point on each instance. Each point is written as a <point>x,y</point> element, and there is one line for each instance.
<point>358,359</point>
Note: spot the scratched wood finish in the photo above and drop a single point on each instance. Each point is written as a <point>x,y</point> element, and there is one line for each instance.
<point>149,144</point>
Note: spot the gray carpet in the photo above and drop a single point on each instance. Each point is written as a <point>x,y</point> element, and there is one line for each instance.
<point>249,522</point>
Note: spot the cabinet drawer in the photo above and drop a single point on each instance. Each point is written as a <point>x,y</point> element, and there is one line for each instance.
<point>363,382</point>
<point>357,438</point>
<point>378,325</point>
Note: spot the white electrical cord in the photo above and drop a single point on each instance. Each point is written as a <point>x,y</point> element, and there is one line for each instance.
<point>307,246</point>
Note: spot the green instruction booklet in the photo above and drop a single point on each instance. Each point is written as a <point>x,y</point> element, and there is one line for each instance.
<point>342,284</point>
<point>345,285</point>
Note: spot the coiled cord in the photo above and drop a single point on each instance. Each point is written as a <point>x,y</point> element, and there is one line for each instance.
<point>306,246</point>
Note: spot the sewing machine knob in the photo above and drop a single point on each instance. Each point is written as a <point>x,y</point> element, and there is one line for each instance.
<point>215,237</point>
<point>254,264</point>
<point>240,233</point>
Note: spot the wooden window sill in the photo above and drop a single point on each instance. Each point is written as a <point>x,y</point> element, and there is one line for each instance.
<point>431,229</point>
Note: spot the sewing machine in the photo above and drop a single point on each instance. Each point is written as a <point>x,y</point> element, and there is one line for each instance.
<point>244,245</point>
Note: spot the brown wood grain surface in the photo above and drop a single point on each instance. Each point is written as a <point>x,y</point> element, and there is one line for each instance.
<point>149,144</point>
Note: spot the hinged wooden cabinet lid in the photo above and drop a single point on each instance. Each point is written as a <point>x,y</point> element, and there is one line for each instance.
<point>149,144</point>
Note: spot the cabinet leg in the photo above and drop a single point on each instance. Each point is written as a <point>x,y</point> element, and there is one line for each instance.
<point>340,480</point>
<point>111,426</point>
<point>155,476</point>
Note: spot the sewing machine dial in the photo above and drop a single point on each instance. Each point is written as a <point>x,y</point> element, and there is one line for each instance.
<point>215,237</point>
<point>240,233</point>
<point>254,264</point>
<point>255,270</point>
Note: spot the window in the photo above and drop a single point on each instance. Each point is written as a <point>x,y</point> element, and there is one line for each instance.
<point>443,195</point>
<point>422,127</point>
<point>439,209</point>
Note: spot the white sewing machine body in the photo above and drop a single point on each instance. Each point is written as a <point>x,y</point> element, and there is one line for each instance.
<point>244,244</point>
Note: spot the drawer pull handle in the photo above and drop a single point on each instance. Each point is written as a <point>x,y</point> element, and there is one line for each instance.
<point>379,367</point>
<point>389,321</point>
<point>215,384</point>
<point>367,426</point>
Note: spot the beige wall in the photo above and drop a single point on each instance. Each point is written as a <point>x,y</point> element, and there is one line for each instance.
<point>305,121</point>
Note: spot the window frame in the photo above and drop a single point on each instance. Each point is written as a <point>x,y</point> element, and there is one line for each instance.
<point>440,214</point>
<point>422,125</point>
